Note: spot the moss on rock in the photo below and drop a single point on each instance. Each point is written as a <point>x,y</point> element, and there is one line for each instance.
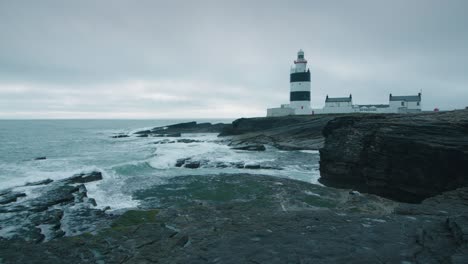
<point>135,217</point>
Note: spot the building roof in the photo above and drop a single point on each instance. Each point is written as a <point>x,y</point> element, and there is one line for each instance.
<point>338,99</point>
<point>407,98</point>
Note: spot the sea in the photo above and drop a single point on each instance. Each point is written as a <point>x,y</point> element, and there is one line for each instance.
<point>133,163</point>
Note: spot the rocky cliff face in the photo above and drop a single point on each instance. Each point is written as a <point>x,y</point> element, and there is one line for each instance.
<point>403,157</point>
<point>287,133</point>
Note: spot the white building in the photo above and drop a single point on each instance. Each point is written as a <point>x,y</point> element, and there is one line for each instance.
<point>405,104</point>
<point>397,104</point>
<point>284,110</point>
<point>336,105</point>
<point>299,100</point>
<point>299,85</point>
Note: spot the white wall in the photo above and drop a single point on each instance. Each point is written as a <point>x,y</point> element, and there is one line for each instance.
<point>301,107</point>
<point>403,106</point>
<point>338,104</point>
<point>280,111</point>
<point>300,86</point>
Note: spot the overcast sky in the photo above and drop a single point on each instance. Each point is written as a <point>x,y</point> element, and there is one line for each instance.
<point>196,59</point>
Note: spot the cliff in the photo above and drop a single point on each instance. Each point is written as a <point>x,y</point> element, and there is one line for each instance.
<point>286,133</point>
<point>402,157</point>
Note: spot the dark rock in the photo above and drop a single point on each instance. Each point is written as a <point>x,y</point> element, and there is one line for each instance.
<point>253,166</point>
<point>181,162</point>
<point>165,141</point>
<point>144,132</point>
<point>10,197</point>
<point>59,195</point>
<point>167,135</point>
<point>56,207</point>
<point>120,136</point>
<point>251,148</point>
<point>84,177</point>
<point>40,158</point>
<point>186,140</point>
<point>285,133</point>
<point>238,165</point>
<point>43,182</point>
<point>192,164</point>
<point>189,127</point>
<point>92,201</point>
<point>404,157</point>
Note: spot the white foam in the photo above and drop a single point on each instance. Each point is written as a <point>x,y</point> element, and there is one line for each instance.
<point>310,151</point>
<point>168,154</point>
<point>109,192</point>
<point>312,193</point>
<point>20,174</point>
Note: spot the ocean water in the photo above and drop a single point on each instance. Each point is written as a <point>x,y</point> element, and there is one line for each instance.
<point>128,164</point>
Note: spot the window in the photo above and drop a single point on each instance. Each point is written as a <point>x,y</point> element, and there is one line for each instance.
<point>417,103</point>
<point>402,103</point>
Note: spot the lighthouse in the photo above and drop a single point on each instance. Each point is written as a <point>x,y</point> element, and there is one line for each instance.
<point>299,98</point>
<point>300,86</point>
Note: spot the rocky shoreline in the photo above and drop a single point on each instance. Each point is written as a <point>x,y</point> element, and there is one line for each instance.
<point>45,210</point>
<point>285,133</point>
<point>403,157</point>
<point>246,218</point>
<point>263,219</point>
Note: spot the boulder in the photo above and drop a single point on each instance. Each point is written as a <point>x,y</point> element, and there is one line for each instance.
<point>181,162</point>
<point>84,177</point>
<point>192,164</point>
<point>257,147</point>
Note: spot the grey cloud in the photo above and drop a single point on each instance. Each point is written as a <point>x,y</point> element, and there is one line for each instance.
<point>237,52</point>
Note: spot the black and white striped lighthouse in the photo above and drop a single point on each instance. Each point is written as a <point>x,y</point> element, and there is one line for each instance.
<point>300,86</point>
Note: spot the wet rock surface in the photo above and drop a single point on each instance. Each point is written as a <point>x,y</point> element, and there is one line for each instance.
<point>404,157</point>
<point>195,164</point>
<point>262,219</point>
<point>177,129</point>
<point>285,133</point>
<point>47,209</point>
<point>182,140</point>
<point>257,147</point>
<point>120,136</point>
